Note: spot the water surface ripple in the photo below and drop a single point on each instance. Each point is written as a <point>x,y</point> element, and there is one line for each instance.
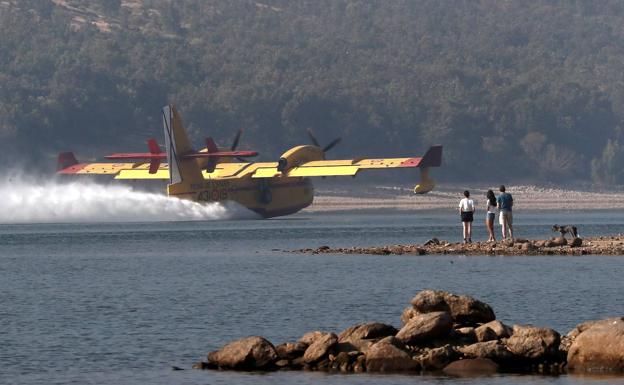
<point>123,302</point>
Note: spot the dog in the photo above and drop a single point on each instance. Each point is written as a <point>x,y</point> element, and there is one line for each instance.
<point>566,230</point>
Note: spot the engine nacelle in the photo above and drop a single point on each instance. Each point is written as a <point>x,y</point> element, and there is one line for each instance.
<point>299,155</point>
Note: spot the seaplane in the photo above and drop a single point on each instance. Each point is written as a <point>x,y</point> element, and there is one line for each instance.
<point>213,174</point>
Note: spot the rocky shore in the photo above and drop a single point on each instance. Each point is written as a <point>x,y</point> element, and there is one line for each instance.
<point>612,245</point>
<point>441,332</point>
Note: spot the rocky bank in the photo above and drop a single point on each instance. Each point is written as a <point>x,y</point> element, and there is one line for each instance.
<point>440,332</point>
<point>611,245</point>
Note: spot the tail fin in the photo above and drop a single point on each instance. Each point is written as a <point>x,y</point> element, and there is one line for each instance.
<point>433,157</point>
<point>211,148</point>
<point>66,159</point>
<point>154,148</point>
<point>181,170</point>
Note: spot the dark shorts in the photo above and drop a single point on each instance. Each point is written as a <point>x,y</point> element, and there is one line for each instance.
<point>490,217</point>
<point>466,216</point>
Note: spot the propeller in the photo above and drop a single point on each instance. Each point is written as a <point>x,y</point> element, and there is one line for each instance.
<point>235,144</point>
<point>328,147</point>
<point>236,140</point>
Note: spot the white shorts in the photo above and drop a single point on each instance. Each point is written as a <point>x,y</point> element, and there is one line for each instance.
<point>505,215</point>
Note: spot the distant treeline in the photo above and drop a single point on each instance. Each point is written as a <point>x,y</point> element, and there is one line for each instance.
<point>530,90</point>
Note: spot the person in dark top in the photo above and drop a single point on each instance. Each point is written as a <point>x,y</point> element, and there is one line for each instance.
<point>504,202</point>
<point>490,215</point>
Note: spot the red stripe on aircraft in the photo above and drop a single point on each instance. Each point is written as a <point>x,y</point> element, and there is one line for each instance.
<point>412,162</point>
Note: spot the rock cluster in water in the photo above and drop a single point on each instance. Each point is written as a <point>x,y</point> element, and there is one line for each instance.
<point>455,334</point>
<point>613,245</point>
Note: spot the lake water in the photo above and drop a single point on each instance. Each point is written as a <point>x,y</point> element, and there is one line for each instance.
<point>121,303</point>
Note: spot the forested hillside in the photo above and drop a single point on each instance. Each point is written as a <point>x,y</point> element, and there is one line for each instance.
<point>530,90</point>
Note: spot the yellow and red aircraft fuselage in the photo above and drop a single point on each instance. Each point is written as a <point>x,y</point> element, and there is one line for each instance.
<point>268,188</point>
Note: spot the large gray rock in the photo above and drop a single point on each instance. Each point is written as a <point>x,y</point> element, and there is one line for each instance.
<point>533,343</point>
<point>425,327</point>
<point>251,353</point>
<point>387,356</point>
<point>320,348</point>
<point>493,350</point>
<point>366,332</point>
<point>600,347</point>
<point>464,310</point>
<point>471,367</point>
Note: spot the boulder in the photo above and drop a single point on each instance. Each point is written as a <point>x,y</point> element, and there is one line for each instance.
<point>471,367</point>
<point>493,330</point>
<point>320,348</point>
<point>408,314</point>
<point>586,325</point>
<point>437,358</point>
<point>387,356</point>
<point>359,365</point>
<point>528,247</point>
<point>533,343</point>
<point>463,309</point>
<point>367,331</point>
<point>425,327</point>
<point>493,350</point>
<point>464,336</point>
<point>290,350</point>
<point>484,334</point>
<point>600,347</point>
<point>354,346</point>
<point>251,353</point>
<point>428,301</point>
<point>576,242</point>
<point>310,337</point>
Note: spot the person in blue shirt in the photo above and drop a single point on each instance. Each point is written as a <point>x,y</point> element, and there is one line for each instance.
<point>504,202</point>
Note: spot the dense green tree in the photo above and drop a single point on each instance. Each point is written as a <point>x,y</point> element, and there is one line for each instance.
<point>512,89</point>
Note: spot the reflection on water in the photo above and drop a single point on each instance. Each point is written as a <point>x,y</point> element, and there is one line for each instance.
<point>122,303</point>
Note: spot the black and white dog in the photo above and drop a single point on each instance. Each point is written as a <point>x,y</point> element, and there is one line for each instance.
<point>566,230</point>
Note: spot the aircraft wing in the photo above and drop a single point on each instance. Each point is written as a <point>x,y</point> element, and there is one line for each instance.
<point>318,168</point>
<point>346,167</point>
<point>350,167</point>
<point>141,170</point>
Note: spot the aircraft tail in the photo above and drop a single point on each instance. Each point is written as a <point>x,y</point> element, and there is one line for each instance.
<point>432,158</point>
<point>182,171</point>
<point>65,160</point>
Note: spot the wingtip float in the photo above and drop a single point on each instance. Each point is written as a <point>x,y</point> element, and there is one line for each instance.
<point>213,174</point>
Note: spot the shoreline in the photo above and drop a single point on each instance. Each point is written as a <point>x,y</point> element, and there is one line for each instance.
<point>527,197</point>
<point>606,245</point>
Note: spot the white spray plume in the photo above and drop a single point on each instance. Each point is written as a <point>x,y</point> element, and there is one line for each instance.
<point>25,200</point>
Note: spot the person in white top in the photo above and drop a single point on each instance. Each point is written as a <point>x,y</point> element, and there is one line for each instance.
<point>466,211</point>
